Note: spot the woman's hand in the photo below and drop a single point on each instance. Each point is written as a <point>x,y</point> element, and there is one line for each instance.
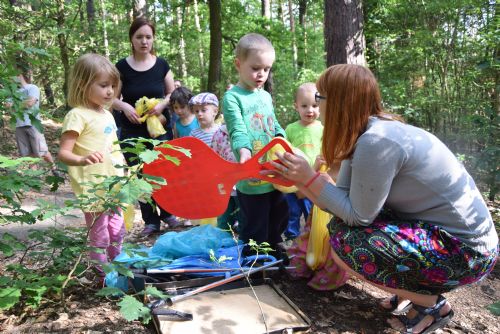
<point>294,168</point>
<point>157,109</point>
<point>130,113</point>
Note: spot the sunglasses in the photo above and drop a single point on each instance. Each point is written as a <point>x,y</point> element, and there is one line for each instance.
<point>318,97</point>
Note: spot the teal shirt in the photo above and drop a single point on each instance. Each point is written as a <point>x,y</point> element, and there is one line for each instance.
<point>306,138</point>
<point>251,124</point>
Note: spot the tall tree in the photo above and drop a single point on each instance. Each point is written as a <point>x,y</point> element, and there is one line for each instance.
<point>91,16</point>
<point>104,28</point>
<point>215,64</point>
<point>266,12</point>
<point>198,29</point>
<point>63,43</point>
<point>302,12</point>
<point>343,31</point>
<point>182,44</point>
<point>266,8</point>
<point>292,30</point>
<point>140,8</point>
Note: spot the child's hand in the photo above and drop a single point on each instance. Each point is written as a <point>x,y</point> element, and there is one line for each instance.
<point>320,161</point>
<point>245,155</point>
<point>92,158</point>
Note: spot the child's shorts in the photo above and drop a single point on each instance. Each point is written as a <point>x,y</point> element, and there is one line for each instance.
<point>30,142</point>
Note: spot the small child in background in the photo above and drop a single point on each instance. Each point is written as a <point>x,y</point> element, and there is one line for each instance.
<point>305,134</point>
<point>30,141</point>
<point>88,146</point>
<point>232,216</point>
<point>179,103</point>
<point>205,107</point>
<point>251,123</point>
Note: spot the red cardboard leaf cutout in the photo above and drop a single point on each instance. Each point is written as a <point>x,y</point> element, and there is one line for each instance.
<point>200,186</point>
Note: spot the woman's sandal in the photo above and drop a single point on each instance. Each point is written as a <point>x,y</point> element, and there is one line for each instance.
<point>396,307</point>
<point>438,322</point>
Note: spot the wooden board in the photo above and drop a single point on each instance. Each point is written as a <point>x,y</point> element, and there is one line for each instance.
<point>235,311</point>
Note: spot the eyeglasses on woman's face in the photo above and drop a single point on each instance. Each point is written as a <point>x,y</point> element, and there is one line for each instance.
<point>318,97</point>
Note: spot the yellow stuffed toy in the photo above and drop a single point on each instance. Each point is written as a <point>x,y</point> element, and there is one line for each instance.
<point>271,155</point>
<point>142,106</point>
<point>318,246</point>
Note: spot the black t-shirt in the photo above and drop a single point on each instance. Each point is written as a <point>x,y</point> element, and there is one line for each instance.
<point>136,84</point>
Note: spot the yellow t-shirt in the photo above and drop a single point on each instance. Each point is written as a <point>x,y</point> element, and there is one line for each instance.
<point>96,133</point>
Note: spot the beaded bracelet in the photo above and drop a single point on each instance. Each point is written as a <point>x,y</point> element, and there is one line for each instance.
<point>312,180</point>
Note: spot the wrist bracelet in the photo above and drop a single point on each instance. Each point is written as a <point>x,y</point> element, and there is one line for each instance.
<point>312,179</point>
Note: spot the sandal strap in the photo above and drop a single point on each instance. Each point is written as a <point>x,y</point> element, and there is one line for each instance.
<point>410,323</point>
<point>433,311</point>
<point>394,301</point>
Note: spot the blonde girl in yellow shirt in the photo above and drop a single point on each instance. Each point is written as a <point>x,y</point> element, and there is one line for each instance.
<point>88,146</point>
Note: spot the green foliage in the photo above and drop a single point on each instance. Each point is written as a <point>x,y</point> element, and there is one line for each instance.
<point>437,65</point>
<point>16,178</point>
<point>39,274</point>
<point>494,308</point>
<point>51,258</point>
<point>132,309</point>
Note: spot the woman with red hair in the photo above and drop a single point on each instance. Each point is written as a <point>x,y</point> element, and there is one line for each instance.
<point>408,217</point>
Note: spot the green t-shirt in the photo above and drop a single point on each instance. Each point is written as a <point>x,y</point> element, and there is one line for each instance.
<point>251,124</point>
<point>306,138</point>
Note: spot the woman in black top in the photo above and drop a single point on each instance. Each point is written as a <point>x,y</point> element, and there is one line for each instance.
<point>144,74</point>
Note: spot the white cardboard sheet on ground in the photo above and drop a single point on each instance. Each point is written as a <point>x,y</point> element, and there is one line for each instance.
<point>234,312</point>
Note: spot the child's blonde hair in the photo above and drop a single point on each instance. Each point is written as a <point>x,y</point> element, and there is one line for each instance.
<point>250,43</point>
<point>84,73</point>
<point>308,87</point>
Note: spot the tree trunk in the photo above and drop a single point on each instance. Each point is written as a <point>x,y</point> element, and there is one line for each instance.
<point>266,12</point>
<point>91,16</point>
<point>182,44</point>
<point>344,37</point>
<point>198,28</point>
<point>266,8</point>
<point>63,47</point>
<point>140,8</point>
<point>280,13</point>
<point>215,65</point>
<point>47,88</point>
<point>302,12</point>
<point>292,30</point>
<point>104,29</point>
<point>302,44</point>
<point>269,84</point>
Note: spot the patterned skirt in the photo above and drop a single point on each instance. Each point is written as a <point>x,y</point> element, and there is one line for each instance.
<point>410,255</point>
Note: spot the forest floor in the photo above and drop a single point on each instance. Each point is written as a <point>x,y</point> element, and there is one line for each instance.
<point>353,308</point>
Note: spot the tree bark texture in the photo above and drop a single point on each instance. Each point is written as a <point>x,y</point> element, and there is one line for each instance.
<point>344,37</point>
<point>266,8</point>
<point>104,29</point>
<point>63,46</point>
<point>198,29</point>
<point>182,44</point>
<point>292,30</point>
<point>140,8</point>
<point>215,65</point>
<point>302,12</point>
<point>91,16</point>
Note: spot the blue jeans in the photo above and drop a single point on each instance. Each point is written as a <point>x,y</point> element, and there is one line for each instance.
<point>296,208</point>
